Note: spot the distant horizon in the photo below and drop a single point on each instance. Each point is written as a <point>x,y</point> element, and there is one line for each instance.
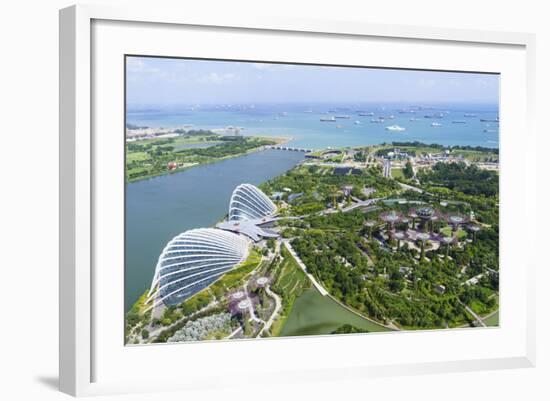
<point>175,82</point>
<point>351,104</point>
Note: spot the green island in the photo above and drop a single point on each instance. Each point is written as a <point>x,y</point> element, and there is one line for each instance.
<point>180,149</point>
<point>401,236</point>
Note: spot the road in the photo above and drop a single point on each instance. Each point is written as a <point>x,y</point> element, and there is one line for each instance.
<point>387,169</point>
<point>475,315</point>
<point>410,187</point>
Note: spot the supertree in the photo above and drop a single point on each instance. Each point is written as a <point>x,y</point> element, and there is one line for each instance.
<point>390,218</point>
<point>413,215</point>
<point>370,224</point>
<point>447,241</point>
<point>422,237</point>
<point>456,220</point>
<point>242,309</point>
<point>244,305</point>
<point>473,228</point>
<point>427,216</point>
<point>262,281</point>
<point>237,296</point>
<point>399,236</point>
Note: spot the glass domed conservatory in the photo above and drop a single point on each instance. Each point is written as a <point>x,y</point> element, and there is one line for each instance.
<point>192,261</point>
<point>249,203</point>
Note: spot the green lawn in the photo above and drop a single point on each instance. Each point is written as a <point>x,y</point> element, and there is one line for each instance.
<point>235,277</point>
<point>460,233</point>
<point>136,156</point>
<point>397,173</point>
<point>290,283</point>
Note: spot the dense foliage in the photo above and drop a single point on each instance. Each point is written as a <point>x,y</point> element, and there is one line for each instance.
<point>442,147</point>
<point>408,171</point>
<point>322,188</point>
<point>459,177</point>
<point>348,329</point>
<point>396,285</point>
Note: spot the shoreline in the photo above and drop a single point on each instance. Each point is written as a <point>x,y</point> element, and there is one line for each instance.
<point>278,141</point>
<point>281,140</point>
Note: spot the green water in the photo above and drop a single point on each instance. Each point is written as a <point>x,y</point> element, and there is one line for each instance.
<point>314,314</point>
<point>492,320</point>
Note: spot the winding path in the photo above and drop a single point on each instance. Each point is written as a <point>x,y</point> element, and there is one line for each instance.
<point>278,306</point>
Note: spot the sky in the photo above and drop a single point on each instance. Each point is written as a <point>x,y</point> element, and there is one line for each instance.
<point>168,81</point>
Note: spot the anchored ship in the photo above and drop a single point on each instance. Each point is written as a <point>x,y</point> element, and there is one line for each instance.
<point>395,128</point>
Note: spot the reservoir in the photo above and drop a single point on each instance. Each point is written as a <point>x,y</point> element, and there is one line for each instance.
<point>314,314</point>
<point>159,208</point>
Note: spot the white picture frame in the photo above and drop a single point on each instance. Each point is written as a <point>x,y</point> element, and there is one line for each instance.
<point>80,214</point>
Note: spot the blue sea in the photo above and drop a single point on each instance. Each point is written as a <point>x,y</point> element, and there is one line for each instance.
<point>302,122</point>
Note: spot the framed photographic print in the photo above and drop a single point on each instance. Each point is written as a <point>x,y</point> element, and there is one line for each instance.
<point>300,197</point>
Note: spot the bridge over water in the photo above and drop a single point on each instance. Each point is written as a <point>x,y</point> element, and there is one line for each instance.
<point>291,148</point>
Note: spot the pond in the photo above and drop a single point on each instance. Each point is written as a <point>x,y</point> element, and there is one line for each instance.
<point>315,314</point>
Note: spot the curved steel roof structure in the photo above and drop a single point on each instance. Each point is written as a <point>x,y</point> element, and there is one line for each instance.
<point>249,203</point>
<point>192,261</point>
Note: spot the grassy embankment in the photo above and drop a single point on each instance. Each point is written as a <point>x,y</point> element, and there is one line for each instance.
<point>137,319</point>
<point>289,283</point>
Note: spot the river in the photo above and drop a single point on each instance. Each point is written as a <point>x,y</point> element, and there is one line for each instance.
<point>159,208</point>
